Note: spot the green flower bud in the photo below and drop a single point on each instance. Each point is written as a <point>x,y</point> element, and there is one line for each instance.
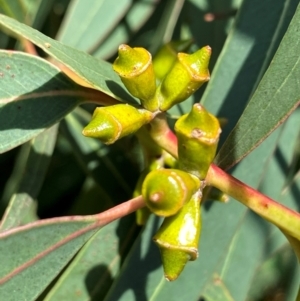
<point>178,238</point>
<point>167,56</point>
<point>134,66</point>
<point>198,135</point>
<point>165,191</point>
<point>187,75</point>
<point>114,122</point>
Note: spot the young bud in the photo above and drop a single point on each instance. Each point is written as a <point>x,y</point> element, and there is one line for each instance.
<point>198,135</point>
<point>178,238</point>
<point>134,66</point>
<point>114,122</point>
<point>165,191</point>
<point>167,56</point>
<point>187,75</point>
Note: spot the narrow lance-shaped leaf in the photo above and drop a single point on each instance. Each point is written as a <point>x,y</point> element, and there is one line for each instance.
<point>14,9</point>
<point>89,35</point>
<point>277,95</point>
<point>35,158</point>
<point>33,96</point>
<point>34,254</point>
<point>96,265</point>
<point>82,67</point>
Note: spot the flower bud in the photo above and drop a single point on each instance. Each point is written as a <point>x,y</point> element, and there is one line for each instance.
<point>114,122</point>
<point>165,191</point>
<point>134,66</point>
<point>178,238</point>
<point>187,75</point>
<point>198,135</point>
<point>167,56</point>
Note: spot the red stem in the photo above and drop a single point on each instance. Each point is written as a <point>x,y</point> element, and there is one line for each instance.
<point>279,215</point>
<point>29,47</point>
<point>100,219</point>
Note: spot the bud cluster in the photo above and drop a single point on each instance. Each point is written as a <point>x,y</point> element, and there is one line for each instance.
<point>173,193</point>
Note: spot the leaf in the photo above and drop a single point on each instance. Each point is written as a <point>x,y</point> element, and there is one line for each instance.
<point>277,95</point>
<point>34,254</point>
<point>89,35</point>
<point>35,158</point>
<point>290,196</point>
<point>274,179</point>
<point>109,174</point>
<point>281,269</point>
<point>217,291</point>
<point>94,268</point>
<point>165,28</point>
<point>139,12</point>
<point>36,12</point>
<point>14,9</point>
<point>278,274</point>
<point>33,96</point>
<point>118,24</point>
<point>88,70</point>
<point>141,273</point>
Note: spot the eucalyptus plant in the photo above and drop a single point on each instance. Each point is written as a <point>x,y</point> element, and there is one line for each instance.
<point>148,127</point>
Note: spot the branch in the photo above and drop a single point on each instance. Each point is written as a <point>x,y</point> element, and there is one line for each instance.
<point>281,216</point>
<point>100,219</point>
<point>286,219</point>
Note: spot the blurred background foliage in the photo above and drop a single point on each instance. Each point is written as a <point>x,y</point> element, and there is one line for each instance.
<point>242,257</point>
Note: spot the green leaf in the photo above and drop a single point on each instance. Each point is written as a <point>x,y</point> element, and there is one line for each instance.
<point>32,13</point>
<point>94,72</point>
<point>147,275</point>
<point>33,96</point>
<point>275,276</point>
<point>94,268</point>
<point>136,16</point>
<point>281,269</point>
<point>217,291</point>
<point>275,177</point>
<point>277,95</point>
<point>109,174</point>
<point>165,28</point>
<point>34,159</point>
<point>14,9</point>
<point>118,24</point>
<point>34,254</point>
<point>89,35</point>
<point>36,11</point>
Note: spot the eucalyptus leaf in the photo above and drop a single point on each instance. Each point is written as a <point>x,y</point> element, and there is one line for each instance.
<point>89,35</point>
<point>91,72</point>
<point>34,254</point>
<point>33,96</point>
<point>14,9</point>
<point>94,268</point>
<point>35,157</point>
<point>277,95</point>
